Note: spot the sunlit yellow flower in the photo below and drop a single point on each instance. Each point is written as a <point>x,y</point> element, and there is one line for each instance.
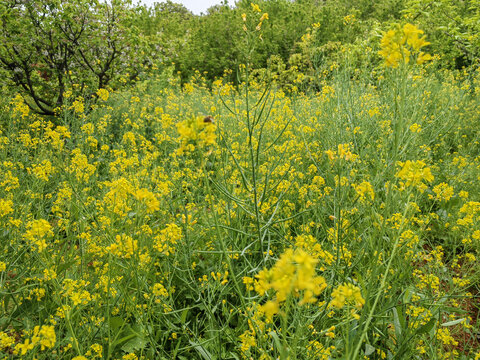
<point>364,190</point>
<point>78,106</point>
<point>6,207</point>
<point>443,192</point>
<point>292,274</point>
<point>103,94</point>
<point>196,133</point>
<point>414,173</point>
<point>255,7</point>
<point>37,232</point>
<point>149,199</point>
<point>6,340</point>
<point>347,294</point>
<point>401,44</point>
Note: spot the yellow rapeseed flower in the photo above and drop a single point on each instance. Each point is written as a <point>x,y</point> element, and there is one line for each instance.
<point>347,294</point>
<point>37,232</point>
<point>364,190</point>
<point>401,44</point>
<point>414,173</point>
<point>292,274</point>
<point>6,207</point>
<point>103,94</point>
<point>255,7</point>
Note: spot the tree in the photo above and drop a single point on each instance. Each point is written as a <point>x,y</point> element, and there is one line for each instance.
<point>164,26</point>
<point>49,47</point>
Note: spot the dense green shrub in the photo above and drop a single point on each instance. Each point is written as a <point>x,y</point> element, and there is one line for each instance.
<point>453,28</point>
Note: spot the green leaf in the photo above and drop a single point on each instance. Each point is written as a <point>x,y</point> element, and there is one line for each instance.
<point>201,350</point>
<point>450,309</point>
<point>184,316</point>
<point>399,322</point>
<point>280,348</point>
<point>406,296</point>
<point>116,323</point>
<point>369,349</point>
<point>453,322</point>
<point>137,343</point>
<point>234,356</point>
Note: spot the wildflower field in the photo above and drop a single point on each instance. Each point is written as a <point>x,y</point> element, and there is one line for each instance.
<point>247,221</point>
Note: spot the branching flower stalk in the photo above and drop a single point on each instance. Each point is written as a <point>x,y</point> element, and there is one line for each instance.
<point>251,39</point>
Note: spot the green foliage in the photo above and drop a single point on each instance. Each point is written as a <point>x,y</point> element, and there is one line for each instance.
<point>43,41</point>
<point>216,40</point>
<point>307,36</point>
<point>49,47</point>
<point>453,28</point>
<point>164,26</point>
<point>212,45</point>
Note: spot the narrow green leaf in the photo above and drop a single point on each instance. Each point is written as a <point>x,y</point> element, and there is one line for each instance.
<point>184,316</point>
<point>398,325</point>
<point>201,350</point>
<point>453,322</point>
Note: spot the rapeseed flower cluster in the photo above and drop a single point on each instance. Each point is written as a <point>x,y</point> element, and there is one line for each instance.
<point>402,44</point>
<point>255,10</point>
<point>44,336</point>
<point>103,94</point>
<point>292,275</point>
<point>38,231</point>
<point>347,294</point>
<point>6,207</point>
<point>415,174</point>
<point>196,133</point>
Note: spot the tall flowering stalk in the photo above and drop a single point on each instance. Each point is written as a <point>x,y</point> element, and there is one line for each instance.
<point>400,48</point>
